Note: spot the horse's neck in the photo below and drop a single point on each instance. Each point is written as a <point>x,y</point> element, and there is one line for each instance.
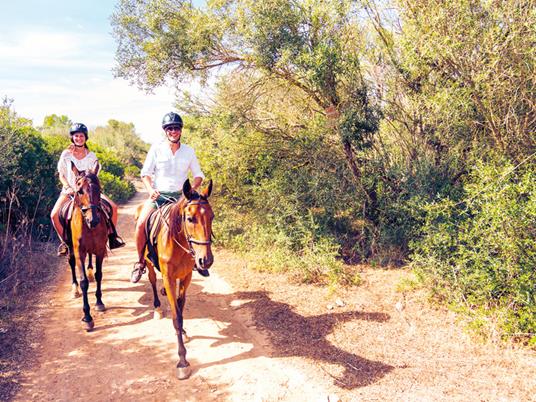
<point>175,220</point>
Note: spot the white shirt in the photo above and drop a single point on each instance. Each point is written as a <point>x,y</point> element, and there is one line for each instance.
<point>168,171</point>
<point>64,165</point>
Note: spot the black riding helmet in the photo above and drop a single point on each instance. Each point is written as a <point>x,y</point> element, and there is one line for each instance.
<point>171,119</point>
<point>78,128</point>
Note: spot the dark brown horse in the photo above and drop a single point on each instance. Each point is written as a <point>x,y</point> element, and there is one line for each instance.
<point>88,234</point>
<point>182,232</point>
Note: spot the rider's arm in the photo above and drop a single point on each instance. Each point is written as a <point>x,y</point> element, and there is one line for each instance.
<point>147,171</point>
<point>148,183</point>
<point>64,181</point>
<point>197,173</point>
<point>196,182</point>
<point>62,170</point>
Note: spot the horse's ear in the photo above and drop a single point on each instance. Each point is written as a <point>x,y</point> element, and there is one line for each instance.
<point>75,170</point>
<point>205,193</point>
<point>187,189</point>
<point>95,169</point>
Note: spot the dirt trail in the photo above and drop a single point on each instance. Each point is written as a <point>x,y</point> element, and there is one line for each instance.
<point>259,337</point>
<point>130,356</point>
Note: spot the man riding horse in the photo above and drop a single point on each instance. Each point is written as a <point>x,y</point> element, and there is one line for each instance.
<point>164,172</point>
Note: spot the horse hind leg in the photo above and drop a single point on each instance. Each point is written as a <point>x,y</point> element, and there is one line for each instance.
<point>158,313</point>
<point>75,289</point>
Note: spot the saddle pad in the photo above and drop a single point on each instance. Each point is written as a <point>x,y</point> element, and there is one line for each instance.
<point>153,224</point>
<point>66,212</point>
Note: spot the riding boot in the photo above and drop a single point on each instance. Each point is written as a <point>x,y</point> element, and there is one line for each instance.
<point>114,241</point>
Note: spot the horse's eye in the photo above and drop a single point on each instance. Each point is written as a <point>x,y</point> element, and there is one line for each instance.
<point>190,219</point>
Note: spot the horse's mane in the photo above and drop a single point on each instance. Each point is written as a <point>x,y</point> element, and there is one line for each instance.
<point>93,177</point>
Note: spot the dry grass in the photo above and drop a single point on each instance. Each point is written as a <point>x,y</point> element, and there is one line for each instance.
<point>382,340</point>
<point>26,271</point>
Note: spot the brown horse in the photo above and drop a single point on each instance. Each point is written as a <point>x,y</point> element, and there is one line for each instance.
<point>182,232</point>
<point>88,234</point>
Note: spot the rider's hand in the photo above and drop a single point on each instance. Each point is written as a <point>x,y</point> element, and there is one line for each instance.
<point>154,194</point>
<point>69,190</point>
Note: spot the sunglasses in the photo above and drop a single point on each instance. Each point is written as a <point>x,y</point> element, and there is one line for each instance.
<point>174,128</point>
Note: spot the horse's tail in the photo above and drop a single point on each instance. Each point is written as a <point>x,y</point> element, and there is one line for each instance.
<point>137,212</point>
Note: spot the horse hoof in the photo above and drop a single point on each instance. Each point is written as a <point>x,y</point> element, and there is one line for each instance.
<point>185,337</point>
<point>88,326</point>
<point>90,276</point>
<point>75,293</point>
<point>100,307</point>
<point>183,372</point>
<point>158,313</point>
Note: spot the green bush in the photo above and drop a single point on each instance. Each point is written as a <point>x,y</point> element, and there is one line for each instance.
<point>479,253</point>
<point>28,186</point>
<point>116,188</point>
<point>132,172</point>
<point>109,161</point>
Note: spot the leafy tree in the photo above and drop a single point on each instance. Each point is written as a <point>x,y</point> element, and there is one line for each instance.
<point>314,46</point>
<point>53,120</point>
<point>121,138</point>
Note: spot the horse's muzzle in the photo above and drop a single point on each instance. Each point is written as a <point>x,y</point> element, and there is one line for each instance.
<point>94,222</point>
<point>205,262</point>
<point>92,218</point>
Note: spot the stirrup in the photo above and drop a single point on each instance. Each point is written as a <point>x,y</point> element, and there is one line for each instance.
<point>137,272</point>
<point>115,242</point>
<point>63,249</point>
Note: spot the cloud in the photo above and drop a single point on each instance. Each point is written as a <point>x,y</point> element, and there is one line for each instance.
<point>50,71</point>
<point>45,49</point>
<point>95,105</point>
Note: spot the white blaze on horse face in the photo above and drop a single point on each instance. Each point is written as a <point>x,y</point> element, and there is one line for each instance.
<point>199,232</point>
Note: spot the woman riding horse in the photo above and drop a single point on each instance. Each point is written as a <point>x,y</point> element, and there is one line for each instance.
<point>79,155</point>
<point>88,234</point>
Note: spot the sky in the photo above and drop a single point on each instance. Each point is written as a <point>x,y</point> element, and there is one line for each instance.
<point>57,57</point>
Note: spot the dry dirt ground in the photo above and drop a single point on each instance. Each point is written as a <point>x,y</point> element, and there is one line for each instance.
<point>257,337</point>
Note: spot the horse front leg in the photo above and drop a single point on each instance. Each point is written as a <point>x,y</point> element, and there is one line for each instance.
<point>183,367</point>
<point>75,290</point>
<point>181,302</point>
<point>84,285</point>
<point>98,277</point>
<point>89,269</point>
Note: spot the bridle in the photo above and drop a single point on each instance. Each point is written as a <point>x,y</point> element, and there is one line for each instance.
<point>189,238</point>
<point>84,208</point>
